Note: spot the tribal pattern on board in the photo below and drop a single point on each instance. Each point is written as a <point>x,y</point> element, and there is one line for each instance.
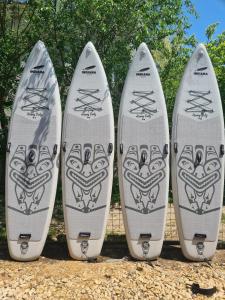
<point>144,170</point>
<point>87,169</point>
<point>89,104</point>
<point>30,170</point>
<point>199,169</point>
<point>143,106</point>
<point>199,104</point>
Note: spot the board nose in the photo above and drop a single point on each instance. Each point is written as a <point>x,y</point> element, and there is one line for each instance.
<point>89,46</point>
<point>142,50</point>
<point>200,50</point>
<point>39,44</point>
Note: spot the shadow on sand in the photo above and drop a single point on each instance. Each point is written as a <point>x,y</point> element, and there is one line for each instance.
<point>112,249</point>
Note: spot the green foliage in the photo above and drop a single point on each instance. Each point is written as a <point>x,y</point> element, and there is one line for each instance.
<point>210,30</point>
<point>172,59</point>
<point>115,27</point>
<point>216,50</point>
<point>223,218</point>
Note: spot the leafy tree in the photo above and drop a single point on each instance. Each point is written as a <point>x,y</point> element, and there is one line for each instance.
<point>115,27</point>
<point>210,30</point>
<point>216,50</point>
<point>17,36</point>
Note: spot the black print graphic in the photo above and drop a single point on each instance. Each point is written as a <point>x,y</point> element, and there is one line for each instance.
<point>88,103</point>
<point>200,104</point>
<point>143,72</point>
<point>143,106</point>
<point>87,169</point>
<point>199,169</point>
<point>37,69</point>
<point>89,70</point>
<point>30,171</point>
<point>35,102</point>
<point>201,71</point>
<point>144,170</point>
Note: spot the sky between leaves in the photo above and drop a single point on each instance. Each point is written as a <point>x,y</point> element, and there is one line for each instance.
<point>209,11</point>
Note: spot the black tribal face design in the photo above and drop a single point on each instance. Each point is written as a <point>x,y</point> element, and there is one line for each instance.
<point>144,170</point>
<point>30,171</point>
<point>199,169</point>
<point>87,169</point>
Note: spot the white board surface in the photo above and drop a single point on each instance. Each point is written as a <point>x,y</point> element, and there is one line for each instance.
<point>143,139</point>
<point>32,156</point>
<point>197,158</point>
<point>87,156</point>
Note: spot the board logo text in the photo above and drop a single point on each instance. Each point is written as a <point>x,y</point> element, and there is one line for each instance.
<point>38,69</point>
<point>201,71</point>
<point>89,70</point>
<point>143,72</point>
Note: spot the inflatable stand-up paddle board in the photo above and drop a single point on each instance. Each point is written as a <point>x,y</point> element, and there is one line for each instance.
<point>87,156</point>
<point>143,154</point>
<point>32,157</point>
<point>198,158</point>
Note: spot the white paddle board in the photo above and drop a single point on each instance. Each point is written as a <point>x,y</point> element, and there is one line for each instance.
<point>32,157</point>
<point>143,153</point>
<point>198,158</point>
<point>87,156</point>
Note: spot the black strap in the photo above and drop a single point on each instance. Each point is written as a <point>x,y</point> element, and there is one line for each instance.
<point>166,149</point>
<point>110,148</point>
<point>195,288</point>
<point>64,147</point>
<point>222,150</point>
<point>55,149</point>
<point>121,148</point>
<point>175,147</point>
<point>8,147</point>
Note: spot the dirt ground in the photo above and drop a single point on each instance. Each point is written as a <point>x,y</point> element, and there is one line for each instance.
<point>114,276</point>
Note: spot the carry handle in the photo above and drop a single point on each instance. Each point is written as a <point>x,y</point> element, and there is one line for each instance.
<point>198,158</point>
<point>87,155</point>
<point>143,159</point>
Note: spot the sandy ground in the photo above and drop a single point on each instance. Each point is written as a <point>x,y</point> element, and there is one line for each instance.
<point>114,276</point>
